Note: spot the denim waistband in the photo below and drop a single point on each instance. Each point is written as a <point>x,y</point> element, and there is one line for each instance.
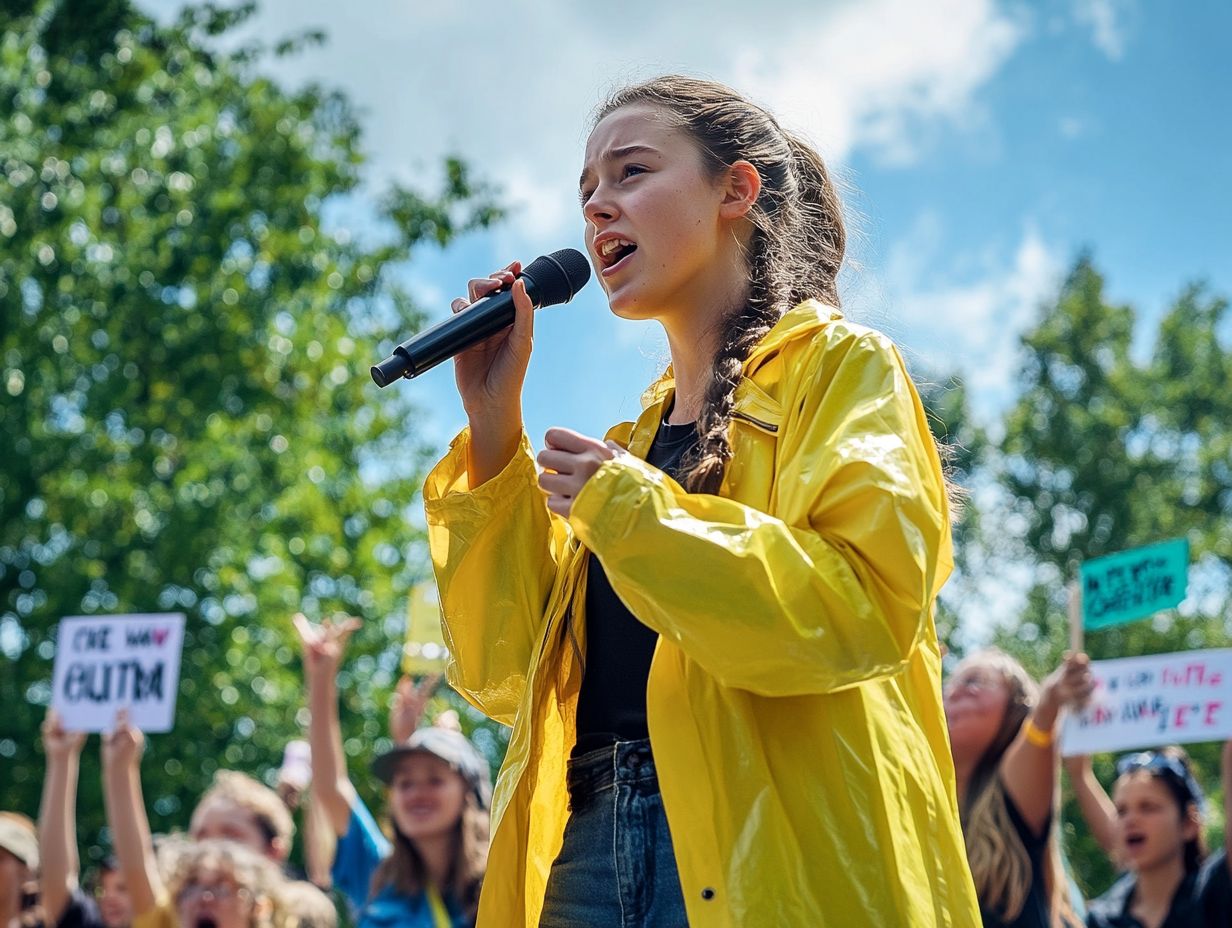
<point>624,763</point>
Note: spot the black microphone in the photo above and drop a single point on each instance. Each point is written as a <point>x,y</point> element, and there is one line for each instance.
<point>550,279</point>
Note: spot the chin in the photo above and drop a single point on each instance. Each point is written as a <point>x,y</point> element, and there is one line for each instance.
<point>427,829</point>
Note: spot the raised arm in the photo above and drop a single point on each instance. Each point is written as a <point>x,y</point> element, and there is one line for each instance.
<point>126,817</point>
<point>59,867</point>
<point>1097,809</point>
<point>323,647</point>
<point>1029,766</point>
<point>1227,797</point>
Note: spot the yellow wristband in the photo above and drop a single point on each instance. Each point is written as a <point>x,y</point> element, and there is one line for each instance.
<point>1036,735</point>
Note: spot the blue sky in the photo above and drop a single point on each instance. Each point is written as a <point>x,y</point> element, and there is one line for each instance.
<point>983,144</point>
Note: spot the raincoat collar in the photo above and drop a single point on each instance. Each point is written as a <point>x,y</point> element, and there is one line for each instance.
<point>798,322</point>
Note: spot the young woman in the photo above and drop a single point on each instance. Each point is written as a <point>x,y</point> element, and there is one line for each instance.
<point>1002,734</point>
<point>712,632</point>
<point>438,798</point>
<point>1155,820</point>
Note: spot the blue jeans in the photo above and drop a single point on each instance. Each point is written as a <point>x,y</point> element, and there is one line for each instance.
<point>616,868</point>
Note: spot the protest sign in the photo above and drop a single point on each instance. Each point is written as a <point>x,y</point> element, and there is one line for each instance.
<point>424,651</point>
<point>1134,584</point>
<point>107,663</point>
<point>1143,702</point>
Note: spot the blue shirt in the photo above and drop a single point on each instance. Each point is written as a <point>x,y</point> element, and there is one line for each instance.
<point>360,851</point>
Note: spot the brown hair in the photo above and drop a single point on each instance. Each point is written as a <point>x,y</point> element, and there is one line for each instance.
<point>999,862</point>
<point>184,861</point>
<point>302,905</point>
<point>794,253</point>
<point>405,871</point>
<point>269,812</point>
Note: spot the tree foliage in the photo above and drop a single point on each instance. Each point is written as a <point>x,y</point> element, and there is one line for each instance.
<point>1109,448</point>
<point>188,420</point>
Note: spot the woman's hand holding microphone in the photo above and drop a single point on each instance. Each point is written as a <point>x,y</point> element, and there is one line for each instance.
<point>490,376</point>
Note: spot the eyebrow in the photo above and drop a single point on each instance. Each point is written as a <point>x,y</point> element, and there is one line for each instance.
<point>614,154</point>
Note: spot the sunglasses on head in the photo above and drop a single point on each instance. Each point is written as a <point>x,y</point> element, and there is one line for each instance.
<point>1156,762</point>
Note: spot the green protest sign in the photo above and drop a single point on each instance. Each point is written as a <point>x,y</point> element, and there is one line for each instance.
<point>1134,584</point>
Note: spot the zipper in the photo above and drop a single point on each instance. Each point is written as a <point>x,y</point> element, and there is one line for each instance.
<point>761,424</point>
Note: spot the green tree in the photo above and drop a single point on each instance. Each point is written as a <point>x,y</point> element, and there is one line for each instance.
<point>1105,451</point>
<point>964,450</point>
<point>188,421</point>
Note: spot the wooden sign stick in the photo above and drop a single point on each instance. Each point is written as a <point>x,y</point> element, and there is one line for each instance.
<point>1075,616</point>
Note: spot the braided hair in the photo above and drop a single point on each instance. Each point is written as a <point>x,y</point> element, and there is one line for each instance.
<point>794,253</point>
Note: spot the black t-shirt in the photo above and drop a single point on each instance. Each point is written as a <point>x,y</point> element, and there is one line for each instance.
<point>1034,912</point>
<point>1112,909</point>
<point>1215,891</point>
<point>612,704</point>
<point>80,912</point>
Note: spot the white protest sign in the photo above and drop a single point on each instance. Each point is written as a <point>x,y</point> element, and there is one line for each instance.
<point>106,663</point>
<point>1144,702</point>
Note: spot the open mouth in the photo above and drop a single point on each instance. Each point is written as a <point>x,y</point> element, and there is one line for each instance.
<point>614,251</point>
<point>1133,842</point>
<point>204,921</point>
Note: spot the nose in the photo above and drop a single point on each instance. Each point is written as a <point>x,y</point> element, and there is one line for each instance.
<point>600,208</point>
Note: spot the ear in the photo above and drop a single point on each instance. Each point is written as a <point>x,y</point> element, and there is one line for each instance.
<point>742,187</point>
<point>1191,827</point>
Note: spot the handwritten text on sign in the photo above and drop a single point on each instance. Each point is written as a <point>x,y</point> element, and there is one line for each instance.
<point>105,663</point>
<point>1143,702</point>
<point>1134,584</point>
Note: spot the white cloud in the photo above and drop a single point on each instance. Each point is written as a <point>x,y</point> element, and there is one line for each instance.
<point>1071,127</point>
<point>510,86</point>
<point>969,321</point>
<point>1107,21</point>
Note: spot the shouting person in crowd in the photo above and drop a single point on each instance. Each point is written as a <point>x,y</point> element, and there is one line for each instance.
<point>64,903</point>
<point>438,795</point>
<point>19,866</point>
<point>216,884</point>
<point>1003,737</point>
<point>1152,827</point>
<point>711,632</point>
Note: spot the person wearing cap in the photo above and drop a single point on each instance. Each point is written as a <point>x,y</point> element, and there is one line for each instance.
<point>19,865</point>
<point>1159,809</point>
<point>438,796</point>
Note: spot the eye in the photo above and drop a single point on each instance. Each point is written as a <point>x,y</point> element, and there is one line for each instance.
<point>631,169</point>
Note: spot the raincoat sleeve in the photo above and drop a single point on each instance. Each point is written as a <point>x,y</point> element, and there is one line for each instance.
<point>835,591</point>
<point>494,550</point>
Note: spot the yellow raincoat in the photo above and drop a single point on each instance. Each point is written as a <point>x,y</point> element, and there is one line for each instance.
<point>794,697</point>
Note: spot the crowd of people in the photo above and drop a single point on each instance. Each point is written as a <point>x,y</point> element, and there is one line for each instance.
<point>420,860</point>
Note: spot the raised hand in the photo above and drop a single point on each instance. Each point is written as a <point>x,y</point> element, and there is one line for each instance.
<point>1070,685</point>
<point>324,644</point>
<point>406,709</point>
<point>124,745</point>
<point>58,744</point>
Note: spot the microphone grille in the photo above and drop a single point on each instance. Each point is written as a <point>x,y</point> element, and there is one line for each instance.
<point>558,276</point>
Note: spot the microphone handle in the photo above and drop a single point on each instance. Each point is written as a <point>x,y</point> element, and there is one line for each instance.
<point>451,336</point>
